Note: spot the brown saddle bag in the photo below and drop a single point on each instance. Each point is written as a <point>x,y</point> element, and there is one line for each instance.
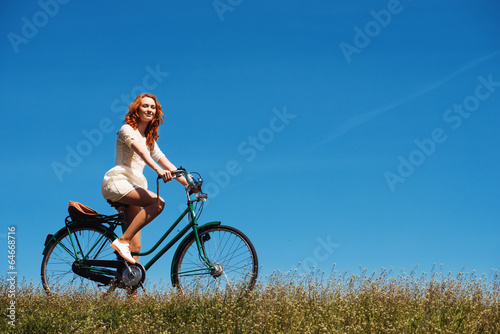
<point>80,212</point>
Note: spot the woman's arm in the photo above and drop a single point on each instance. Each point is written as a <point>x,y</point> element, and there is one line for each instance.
<point>182,180</point>
<point>144,154</point>
<point>165,163</point>
<point>170,167</point>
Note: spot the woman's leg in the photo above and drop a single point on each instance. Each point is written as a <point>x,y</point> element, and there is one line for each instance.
<point>143,208</point>
<point>135,242</point>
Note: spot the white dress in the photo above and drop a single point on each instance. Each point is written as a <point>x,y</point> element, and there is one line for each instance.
<point>127,175</point>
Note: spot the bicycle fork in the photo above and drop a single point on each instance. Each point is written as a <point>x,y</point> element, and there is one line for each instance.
<point>200,243</point>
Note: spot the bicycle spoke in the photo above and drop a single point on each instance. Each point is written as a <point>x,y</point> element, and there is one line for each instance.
<point>232,259</point>
<point>84,242</point>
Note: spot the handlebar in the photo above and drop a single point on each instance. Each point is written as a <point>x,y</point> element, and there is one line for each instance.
<point>192,183</point>
<point>182,172</point>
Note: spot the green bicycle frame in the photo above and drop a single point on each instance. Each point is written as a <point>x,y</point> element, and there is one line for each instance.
<point>193,223</point>
<point>78,255</point>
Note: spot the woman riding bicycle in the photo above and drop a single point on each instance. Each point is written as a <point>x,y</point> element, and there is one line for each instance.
<point>125,183</point>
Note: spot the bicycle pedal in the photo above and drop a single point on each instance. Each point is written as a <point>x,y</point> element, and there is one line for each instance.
<point>126,264</point>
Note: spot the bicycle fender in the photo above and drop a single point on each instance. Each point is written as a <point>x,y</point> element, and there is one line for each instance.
<point>54,237</point>
<point>214,223</point>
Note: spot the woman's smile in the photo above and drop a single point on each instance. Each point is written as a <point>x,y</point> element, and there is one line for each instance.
<point>147,109</point>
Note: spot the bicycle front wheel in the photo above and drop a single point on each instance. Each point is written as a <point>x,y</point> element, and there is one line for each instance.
<point>233,260</point>
<point>81,242</point>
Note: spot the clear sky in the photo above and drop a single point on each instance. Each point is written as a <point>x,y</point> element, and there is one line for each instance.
<point>360,133</point>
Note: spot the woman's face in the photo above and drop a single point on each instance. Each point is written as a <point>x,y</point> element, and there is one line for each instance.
<point>147,110</point>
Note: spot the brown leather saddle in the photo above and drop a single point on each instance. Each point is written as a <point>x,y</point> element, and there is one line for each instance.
<point>81,212</point>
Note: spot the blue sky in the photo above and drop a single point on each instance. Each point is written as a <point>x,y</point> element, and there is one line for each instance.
<point>329,132</point>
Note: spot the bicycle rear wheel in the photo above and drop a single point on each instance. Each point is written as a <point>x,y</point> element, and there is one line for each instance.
<point>82,242</point>
<point>233,258</point>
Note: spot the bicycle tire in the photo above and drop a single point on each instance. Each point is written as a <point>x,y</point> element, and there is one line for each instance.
<point>57,265</point>
<point>224,246</point>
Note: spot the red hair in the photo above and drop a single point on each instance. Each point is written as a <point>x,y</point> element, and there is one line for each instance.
<point>132,119</point>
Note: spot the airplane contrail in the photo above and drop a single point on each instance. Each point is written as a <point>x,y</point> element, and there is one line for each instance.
<point>358,120</point>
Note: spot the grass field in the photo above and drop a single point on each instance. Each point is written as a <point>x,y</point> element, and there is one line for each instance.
<point>281,303</point>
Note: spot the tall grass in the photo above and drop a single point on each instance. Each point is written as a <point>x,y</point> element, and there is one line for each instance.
<point>281,303</point>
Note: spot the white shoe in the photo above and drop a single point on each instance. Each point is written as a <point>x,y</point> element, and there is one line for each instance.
<point>123,250</point>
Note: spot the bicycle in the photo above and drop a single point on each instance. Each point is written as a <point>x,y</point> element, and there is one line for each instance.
<point>211,257</point>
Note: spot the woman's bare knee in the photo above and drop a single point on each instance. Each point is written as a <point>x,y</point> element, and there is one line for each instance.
<point>161,205</point>
<point>154,208</point>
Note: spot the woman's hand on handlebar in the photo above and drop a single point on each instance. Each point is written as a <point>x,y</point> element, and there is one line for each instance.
<point>165,175</point>
<point>193,186</point>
